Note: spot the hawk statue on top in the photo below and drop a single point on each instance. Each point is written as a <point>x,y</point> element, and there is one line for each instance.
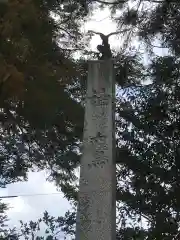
<point>105,49</point>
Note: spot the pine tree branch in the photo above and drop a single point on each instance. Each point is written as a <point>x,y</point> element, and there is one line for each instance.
<point>156,46</point>
<point>124,1</point>
<point>3,81</point>
<point>116,2</point>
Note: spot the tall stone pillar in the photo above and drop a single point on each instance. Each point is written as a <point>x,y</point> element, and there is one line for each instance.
<point>96,215</point>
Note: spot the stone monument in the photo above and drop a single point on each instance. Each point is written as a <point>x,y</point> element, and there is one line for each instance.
<point>96,214</point>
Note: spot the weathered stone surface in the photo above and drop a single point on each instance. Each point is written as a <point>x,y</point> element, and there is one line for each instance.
<point>96,217</point>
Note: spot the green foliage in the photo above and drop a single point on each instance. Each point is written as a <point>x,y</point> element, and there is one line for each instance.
<point>42,121</point>
<point>39,129</point>
<point>148,130</point>
<point>33,230</point>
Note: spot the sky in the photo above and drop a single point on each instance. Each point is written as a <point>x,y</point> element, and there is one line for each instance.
<point>32,207</point>
<point>27,208</point>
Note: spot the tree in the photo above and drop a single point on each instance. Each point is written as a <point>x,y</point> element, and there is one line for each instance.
<point>37,78</point>
<point>39,84</point>
<point>148,151</point>
<point>148,143</point>
<point>45,228</point>
<point>38,127</point>
<point>148,124</point>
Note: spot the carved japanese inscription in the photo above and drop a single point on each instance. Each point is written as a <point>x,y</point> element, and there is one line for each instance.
<point>96,218</point>
<point>98,147</point>
<point>100,101</point>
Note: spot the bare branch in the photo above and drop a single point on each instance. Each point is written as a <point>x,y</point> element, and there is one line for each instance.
<point>91,31</point>
<point>110,34</point>
<point>124,1</point>
<point>3,81</point>
<point>116,2</point>
<point>118,32</point>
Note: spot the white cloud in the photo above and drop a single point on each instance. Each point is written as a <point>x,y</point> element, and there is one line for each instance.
<point>32,207</point>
